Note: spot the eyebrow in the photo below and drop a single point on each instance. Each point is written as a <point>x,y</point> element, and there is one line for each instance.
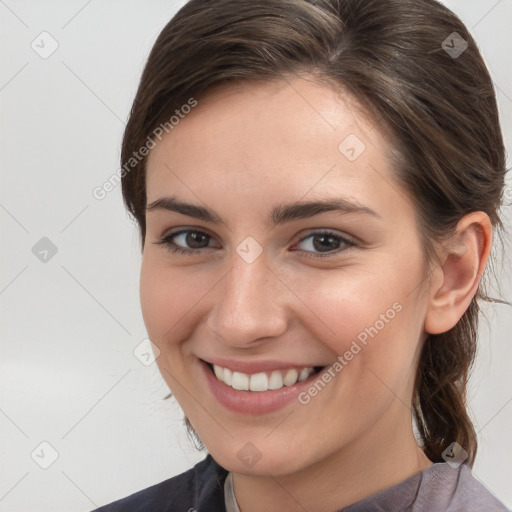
<point>280,214</point>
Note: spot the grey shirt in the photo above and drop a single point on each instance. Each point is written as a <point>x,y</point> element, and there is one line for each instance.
<point>206,488</point>
<point>438,488</point>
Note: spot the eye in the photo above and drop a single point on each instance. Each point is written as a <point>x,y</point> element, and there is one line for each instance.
<point>178,241</point>
<point>327,243</point>
<point>193,241</point>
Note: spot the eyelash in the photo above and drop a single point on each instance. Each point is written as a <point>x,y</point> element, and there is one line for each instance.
<point>166,241</point>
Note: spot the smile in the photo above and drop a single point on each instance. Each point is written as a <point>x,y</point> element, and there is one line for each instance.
<point>262,381</point>
<point>259,389</point>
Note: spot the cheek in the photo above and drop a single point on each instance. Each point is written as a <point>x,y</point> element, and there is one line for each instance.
<point>344,304</point>
<point>173,299</point>
<point>376,327</point>
<point>373,314</point>
<point>150,297</point>
<point>163,297</point>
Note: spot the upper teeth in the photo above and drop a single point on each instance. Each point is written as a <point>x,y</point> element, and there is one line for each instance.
<point>261,381</point>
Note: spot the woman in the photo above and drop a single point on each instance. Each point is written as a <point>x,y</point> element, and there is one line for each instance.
<point>316,185</point>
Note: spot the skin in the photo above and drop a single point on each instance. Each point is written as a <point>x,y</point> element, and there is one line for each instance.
<point>240,152</point>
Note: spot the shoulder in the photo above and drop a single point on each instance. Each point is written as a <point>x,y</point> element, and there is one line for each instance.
<point>472,495</point>
<point>201,488</point>
<point>457,490</point>
<point>439,487</point>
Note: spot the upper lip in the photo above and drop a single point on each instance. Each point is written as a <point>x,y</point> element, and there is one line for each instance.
<point>250,367</point>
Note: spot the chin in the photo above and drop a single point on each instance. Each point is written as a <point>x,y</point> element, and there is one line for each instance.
<point>248,459</point>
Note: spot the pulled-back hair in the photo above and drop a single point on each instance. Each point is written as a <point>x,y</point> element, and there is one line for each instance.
<point>406,62</point>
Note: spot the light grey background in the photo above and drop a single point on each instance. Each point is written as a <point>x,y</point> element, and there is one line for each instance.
<point>69,326</point>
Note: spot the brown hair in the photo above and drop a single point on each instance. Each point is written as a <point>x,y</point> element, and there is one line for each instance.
<point>394,56</point>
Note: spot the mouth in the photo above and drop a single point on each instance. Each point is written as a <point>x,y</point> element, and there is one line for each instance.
<point>261,392</point>
<point>263,381</point>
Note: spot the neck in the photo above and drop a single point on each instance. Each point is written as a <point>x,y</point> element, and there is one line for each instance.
<point>366,466</point>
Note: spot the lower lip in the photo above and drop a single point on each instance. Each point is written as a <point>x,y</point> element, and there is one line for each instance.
<point>254,402</point>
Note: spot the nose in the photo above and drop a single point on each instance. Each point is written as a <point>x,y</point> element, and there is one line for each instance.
<point>249,304</point>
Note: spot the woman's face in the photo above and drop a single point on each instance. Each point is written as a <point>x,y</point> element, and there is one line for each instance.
<point>272,282</point>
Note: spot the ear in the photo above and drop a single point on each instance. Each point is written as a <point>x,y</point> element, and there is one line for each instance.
<point>463,259</point>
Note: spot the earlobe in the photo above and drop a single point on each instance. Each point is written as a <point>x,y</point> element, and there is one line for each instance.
<point>463,260</point>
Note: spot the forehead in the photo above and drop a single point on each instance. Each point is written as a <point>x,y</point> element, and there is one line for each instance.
<point>295,138</point>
